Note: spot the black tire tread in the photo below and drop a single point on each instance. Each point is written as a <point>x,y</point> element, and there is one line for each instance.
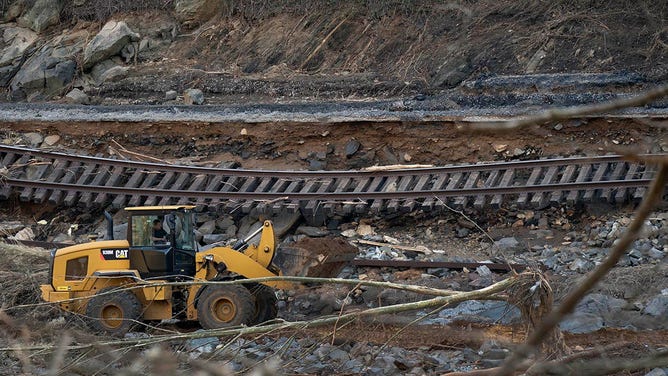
<point>266,303</point>
<point>243,300</point>
<point>128,302</point>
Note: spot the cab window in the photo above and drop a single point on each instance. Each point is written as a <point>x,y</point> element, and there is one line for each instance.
<point>143,230</point>
<point>76,269</point>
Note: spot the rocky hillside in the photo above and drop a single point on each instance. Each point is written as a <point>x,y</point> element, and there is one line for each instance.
<point>108,51</point>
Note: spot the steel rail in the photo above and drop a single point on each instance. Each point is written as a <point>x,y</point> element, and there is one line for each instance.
<point>329,195</point>
<point>313,174</point>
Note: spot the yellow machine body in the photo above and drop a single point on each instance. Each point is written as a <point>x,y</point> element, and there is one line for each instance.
<point>80,271</point>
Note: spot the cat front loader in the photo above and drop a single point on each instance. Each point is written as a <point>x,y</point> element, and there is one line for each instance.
<point>118,283</point>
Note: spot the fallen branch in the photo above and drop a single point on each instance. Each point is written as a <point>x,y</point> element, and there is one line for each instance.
<point>434,302</point>
<point>396,167</point>
<point>395,246</point>
<point>571,300</point>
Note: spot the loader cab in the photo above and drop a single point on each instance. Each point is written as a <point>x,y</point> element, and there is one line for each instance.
<point>171,255</point>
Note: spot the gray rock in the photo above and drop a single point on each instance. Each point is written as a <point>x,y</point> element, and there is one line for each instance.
<point>310,231</point>
<point>34,138</point>
<point>108,42</point>
<point>510,245</point>
<point>14,47</point>
<point>483,311</point>
<point>599,304</point>
<point>657,306</point>
<point>657,372</point>
<point>316,165</point>
<point>197,12</point>
<point>11,228</point>
<point>77,96</point>
<point>202,345</point>
<point>44,13</point>
<point>14,10</point>
<point>114,74</point>
<point>108,70</point>
<point>171,95</point>
<point>25,234</point>
<point>51,140</point>
<point>656,254</point>
<point>214,238</point>
<point>582,323</point>
<point>49,70</point>
<point>352,147</point>
<point>208,227</point>
<point>193,96</point>
<point>120,231</point>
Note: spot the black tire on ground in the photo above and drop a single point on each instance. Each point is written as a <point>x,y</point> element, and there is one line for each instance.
<point>114,313</point>
<point>225,306</point>
<point>266,303</point>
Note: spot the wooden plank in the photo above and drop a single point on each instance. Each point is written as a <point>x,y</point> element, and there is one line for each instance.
<point>313,207</point>
<point>454,182</point>
<point>506,181</point>
<point>87,174</point>
<point>99,178</point>
<point>640,192</point>
<point>115,176</point>
<point>421,185</point>
<point>461,202</point>
<point>197,183</point>
<point>479,201</point>
<point>402,186</point>
<point>278,187</point>
<point>264,186</point>
<point>149,179</point>
<point>555,197</point>
<point>133,182</point>
<point>360,186</point>
<point>622,194</point>
<point>598,176</point>
<point>616,174</point>
<point>70,174</point>
<point>341,185</point>
<point>541,200</point>
<point>35,173</point>
<point>181,181</point>
<point>583,175</point>
<point>523,198</point>
<point>440,180</point>
<point>57,172</point>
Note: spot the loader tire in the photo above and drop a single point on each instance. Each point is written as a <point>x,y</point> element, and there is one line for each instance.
<point>225,306</point>
<point>114,313</point>
<point>266,303</point>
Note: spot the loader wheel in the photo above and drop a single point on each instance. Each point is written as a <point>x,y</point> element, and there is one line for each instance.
<point>114,313</point>
<point>266,303</point>
<point>223,306</point>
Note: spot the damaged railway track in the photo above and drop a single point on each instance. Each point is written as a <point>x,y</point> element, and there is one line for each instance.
<point>58,178</point>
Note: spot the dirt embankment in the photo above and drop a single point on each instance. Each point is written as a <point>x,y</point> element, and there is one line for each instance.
<point>316,50</point>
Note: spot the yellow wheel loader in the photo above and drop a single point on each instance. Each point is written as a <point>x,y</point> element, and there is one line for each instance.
<point>117,283</point>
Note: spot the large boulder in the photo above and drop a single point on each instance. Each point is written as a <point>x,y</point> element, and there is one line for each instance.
<point>108,70</point>
<point>197,12</point>
<point>14,10</point>
<point>14,47</point>
<point>44,13</point>
<point>108,42</point>
<point>49,70</point>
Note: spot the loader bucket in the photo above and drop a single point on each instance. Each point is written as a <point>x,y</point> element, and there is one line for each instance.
<point>315,257</point>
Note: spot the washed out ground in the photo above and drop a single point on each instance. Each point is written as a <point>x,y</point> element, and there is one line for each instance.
<point>293,52</point>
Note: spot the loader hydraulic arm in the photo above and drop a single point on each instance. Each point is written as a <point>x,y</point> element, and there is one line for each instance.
<point>263,252</point>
